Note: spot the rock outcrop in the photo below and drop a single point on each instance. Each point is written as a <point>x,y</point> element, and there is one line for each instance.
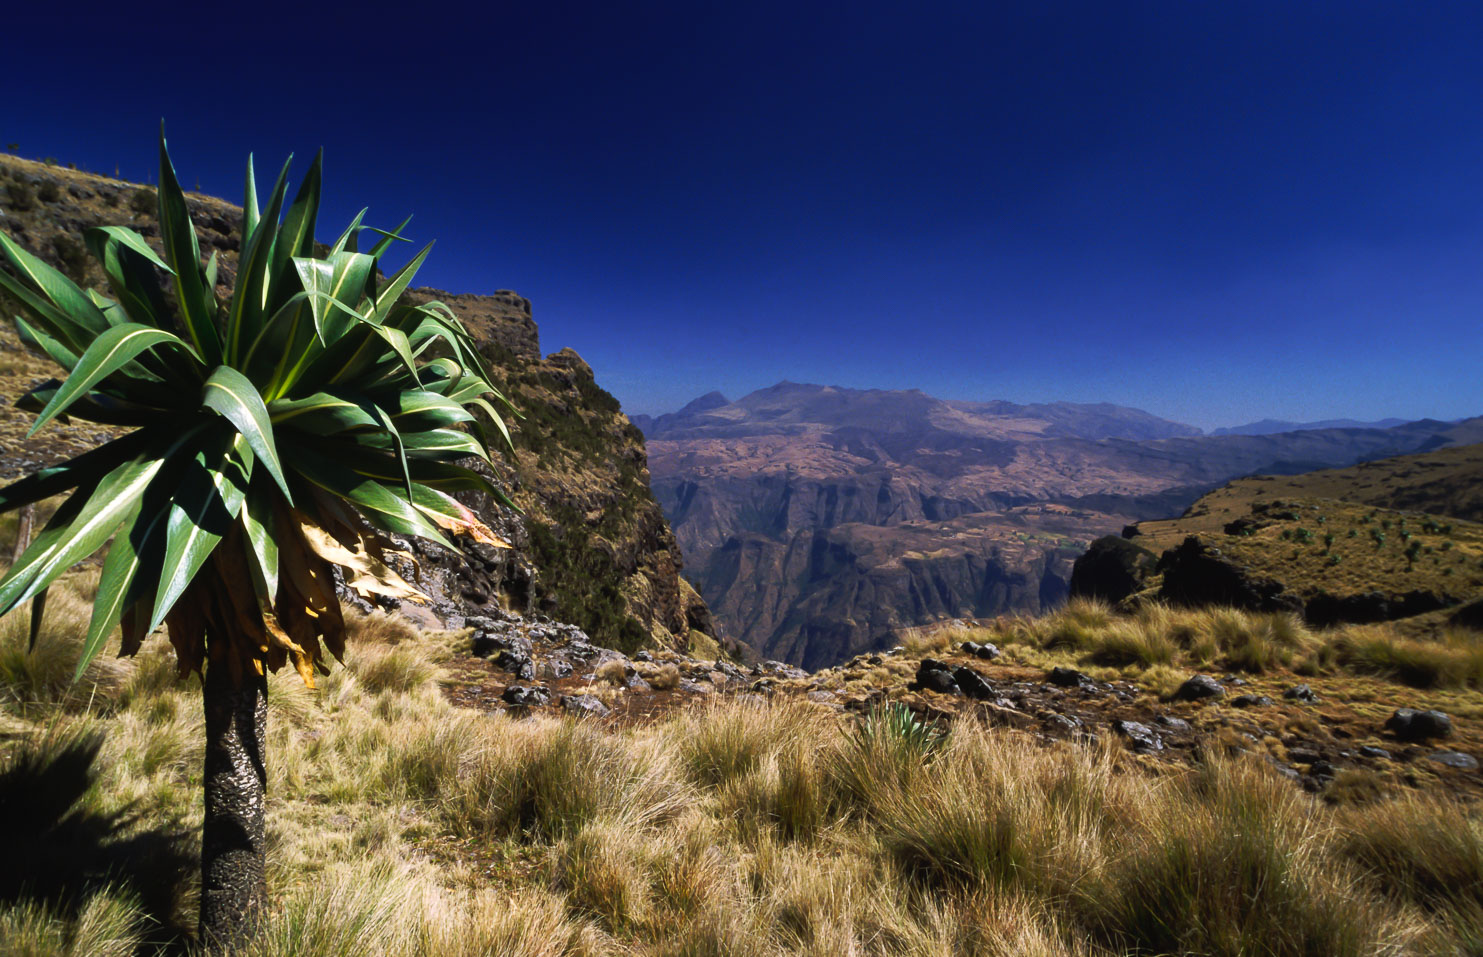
<point>1112,569</point>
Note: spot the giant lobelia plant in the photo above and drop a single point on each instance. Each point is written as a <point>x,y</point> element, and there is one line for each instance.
<point>275,428</point>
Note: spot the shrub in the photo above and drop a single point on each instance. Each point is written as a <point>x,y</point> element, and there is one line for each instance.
<point>20,195</point>
<point>144,202</point>
<point>48,192</point>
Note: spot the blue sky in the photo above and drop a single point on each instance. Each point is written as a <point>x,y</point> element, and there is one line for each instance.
<point>1218,212</point>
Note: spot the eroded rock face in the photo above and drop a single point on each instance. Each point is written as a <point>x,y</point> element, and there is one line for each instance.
<point>1197,574</point>
<point>1112,569</point>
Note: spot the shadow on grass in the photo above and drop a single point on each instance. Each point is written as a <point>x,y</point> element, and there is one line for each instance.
<point>63,851</point>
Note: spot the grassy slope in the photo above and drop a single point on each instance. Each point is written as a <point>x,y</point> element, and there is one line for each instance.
<point>402,824</point>
<point>1395,526</point>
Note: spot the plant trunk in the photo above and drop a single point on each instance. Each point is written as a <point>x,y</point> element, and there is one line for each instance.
<point>234,889</point>
<point>23,523</point>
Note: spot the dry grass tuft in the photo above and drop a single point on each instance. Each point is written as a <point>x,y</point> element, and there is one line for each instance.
<point>614,672</point>
<point>1455,660</point>
<point>663,678</point>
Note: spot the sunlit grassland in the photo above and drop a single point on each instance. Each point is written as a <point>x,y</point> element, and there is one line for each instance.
<point>404,825</point>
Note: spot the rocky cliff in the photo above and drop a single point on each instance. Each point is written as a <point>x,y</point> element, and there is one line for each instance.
<point>592,545</point>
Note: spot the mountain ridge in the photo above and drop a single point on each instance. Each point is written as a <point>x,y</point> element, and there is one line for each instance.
<point>778,500</point>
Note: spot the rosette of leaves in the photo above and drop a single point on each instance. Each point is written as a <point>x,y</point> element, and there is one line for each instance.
<point>276,426</point>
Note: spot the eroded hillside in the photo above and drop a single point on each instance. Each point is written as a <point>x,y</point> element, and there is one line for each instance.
<point>817,521</point>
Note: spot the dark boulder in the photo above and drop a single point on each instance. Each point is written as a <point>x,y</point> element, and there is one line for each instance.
<point>933,675</point>
<point>1455,759</point>
<point>1069,678</point>
<point>1141,737</point>
<point>1112,569</point>
<point>1199,688</point>
<point>517,664</point>
<point>1251,701</point>
<point>526,696</point>
<point>1172,724</point>
<point>1408,724</point>
<point>1370,751</point>
<point>984,650</point>
<point>973,684</point>
<point>1301,693</point>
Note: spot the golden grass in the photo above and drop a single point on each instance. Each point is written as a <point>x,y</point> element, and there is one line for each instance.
<point>1159,645</point>
<point>402,825</point>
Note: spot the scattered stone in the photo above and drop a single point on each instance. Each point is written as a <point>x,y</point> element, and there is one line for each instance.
<point>1005,715</point>
<point>485,645</point>
<point>1251,701</point>
<point>635,683</point>
<point>1321,769</point>
<point>1303,755</point>
<point>1068,678</point>
<point>1290,773</point>
<point>643,656</point>
<point>517,664</point>
<point>556,668</point>
<point>728,669</point>
<point>933,675</point>
<point>973,684</point>
<point>1455,759</point>
<point>1301,693</point>
<point>522,696</point>
<point>1060,722</point>
<point>1370,751</point>
<point>984,650</point>
<point>1408,724</point>
<point>696,687</point>
<point>821,697</point>
<point>1141,738</point>
<point>585,706</point>
<point>1199,688</point>
<point>1171,723</point>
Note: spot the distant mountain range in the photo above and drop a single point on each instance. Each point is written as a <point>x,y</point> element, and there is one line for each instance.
<point>1270,426</point>
<point>817,521</point>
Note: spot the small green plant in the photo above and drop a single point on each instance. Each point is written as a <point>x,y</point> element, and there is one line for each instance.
<point>1352,533</point>
<point>899,724</point>
<point>1334,559</point>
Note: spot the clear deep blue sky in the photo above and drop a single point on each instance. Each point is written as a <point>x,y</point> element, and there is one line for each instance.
<point>1216,211</point>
